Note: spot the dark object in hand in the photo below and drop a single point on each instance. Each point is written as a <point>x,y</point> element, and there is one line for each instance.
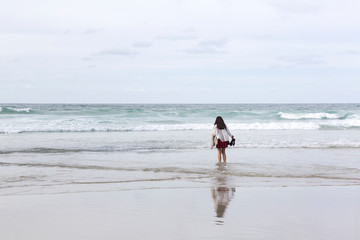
<point>232,143</point>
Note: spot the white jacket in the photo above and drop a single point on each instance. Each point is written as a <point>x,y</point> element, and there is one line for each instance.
<point>222,134</point>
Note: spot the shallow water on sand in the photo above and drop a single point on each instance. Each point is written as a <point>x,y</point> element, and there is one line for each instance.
<point>45,173</point>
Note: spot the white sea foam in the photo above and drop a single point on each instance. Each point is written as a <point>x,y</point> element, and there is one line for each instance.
<point>83,127</point>
<point>344,143</point>
<point>56,126</point>
<point>287,144</point>
<point>20,109</point>
<point>275,126</point>
<point>319,115</point>
<point>88,126</point>
<point>16,110</point>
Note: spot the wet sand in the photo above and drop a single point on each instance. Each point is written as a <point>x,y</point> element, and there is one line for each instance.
<point>186,213</point>
<point>272,194</point>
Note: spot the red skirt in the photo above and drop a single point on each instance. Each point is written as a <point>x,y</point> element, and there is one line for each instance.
<point>221,144</point>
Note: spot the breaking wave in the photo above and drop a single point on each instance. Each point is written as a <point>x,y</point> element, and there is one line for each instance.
<point>319,115</point>
<point>82,127</point>
<point>12,110</point>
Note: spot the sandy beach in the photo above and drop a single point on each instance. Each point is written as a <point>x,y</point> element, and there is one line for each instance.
<point>252,213</point>
<point>268,194</point>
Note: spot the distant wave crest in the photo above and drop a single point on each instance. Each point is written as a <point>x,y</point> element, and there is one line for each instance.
<point>12,110</point>
<point>318,115</point>
<point>56,126</point>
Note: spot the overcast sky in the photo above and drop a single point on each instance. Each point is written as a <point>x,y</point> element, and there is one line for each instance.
<point>179,51</point>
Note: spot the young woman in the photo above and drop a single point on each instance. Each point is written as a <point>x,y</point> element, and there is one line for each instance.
<point>222,134</point>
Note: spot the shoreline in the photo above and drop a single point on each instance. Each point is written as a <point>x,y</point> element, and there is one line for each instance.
<point>30,173</point>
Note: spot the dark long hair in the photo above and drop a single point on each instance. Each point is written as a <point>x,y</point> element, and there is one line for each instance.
<point>220,123</point>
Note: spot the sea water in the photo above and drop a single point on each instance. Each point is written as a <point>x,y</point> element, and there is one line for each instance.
<point>20,118</point>
<point>51,148</point>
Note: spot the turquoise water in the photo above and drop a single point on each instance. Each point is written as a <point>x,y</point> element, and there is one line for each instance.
<point>19,118</point>
<point>109,127</point>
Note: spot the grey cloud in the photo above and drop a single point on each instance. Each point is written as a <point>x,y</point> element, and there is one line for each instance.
<point>214,46</point>
<point>295,6</point>
<point>260,37</point>
<point>14,60</point>
<point>215,42</point>
<point>204,50</point>
<point>286,61</point>
<point>93,30</point>
<point>115,52</point>
<point>8,79</point>
<point>189,30</point>
<point>352,52</point>
<point>187,34</point>
<point>142,44</point>
<point>178,37</point>
<point>182,35</point>
<point>148,89</point>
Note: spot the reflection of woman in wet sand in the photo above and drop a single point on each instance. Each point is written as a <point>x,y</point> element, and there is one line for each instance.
<point>221,195</point>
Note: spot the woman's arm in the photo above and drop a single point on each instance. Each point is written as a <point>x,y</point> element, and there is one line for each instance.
<point>229,133</point>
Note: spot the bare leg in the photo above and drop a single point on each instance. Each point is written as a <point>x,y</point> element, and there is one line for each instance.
<point>224,154</point>
<point>219,154</point>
